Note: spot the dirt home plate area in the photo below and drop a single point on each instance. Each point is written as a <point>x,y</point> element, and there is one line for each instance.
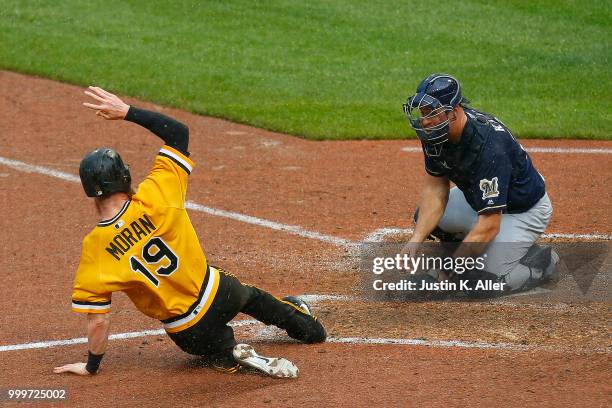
<point>288,215</point>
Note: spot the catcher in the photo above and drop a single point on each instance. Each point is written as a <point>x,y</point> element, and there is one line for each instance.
<point>146,247</point>
<point>499,201</point>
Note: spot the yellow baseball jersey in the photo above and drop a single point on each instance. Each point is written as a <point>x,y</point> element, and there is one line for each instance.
<point>150,251</point>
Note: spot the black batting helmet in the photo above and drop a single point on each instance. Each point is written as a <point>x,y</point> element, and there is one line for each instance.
<point>102,173</point>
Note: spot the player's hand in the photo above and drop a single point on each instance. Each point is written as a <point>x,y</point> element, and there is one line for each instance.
<point>411,248</point>
<point>75,368</point>
<point>109,106</point>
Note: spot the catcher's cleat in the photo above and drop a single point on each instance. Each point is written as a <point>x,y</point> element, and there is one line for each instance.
<point>273,366</point>
<point>299,304</point>
<point>544,258</point>
<point>538,257</point>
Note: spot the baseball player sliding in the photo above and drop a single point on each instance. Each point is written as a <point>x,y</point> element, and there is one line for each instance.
<point>499,200</point>
<point>146,247</point>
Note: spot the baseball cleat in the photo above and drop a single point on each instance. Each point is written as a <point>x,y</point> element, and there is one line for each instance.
<point>273,366</point>
<point>299,304</point>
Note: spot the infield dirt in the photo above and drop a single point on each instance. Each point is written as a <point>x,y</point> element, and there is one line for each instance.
<point>557,353</point>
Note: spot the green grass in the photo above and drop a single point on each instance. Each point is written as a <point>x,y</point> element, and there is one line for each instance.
<point>328,69</point>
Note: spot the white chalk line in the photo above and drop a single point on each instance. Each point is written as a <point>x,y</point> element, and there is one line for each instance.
<point>323,298</point>
<point>267,333</point>
<point>558,150</point>
<point>579,236</point>
<point>119,336</point>
<point>331,339</point>
<point>30,168</point>
<point>290,229</point>
<point>379,235</point>
<point>428,343</point>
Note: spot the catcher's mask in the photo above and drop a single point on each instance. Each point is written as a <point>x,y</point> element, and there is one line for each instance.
<point>427,110</point>
<point>102,173</point>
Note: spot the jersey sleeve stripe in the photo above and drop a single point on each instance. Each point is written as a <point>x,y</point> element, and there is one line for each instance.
<point>199,308</point>
<point>497,207</point>
<point>84,303</point>
<point>90,307</point>
<point>181,160</point>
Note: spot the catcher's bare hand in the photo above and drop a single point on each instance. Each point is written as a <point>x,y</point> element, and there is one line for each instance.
<point>411,249</point>
<point>75,368</point>
<point>109,106</point>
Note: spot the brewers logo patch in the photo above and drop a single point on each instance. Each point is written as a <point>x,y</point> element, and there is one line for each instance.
<point>489,188</point>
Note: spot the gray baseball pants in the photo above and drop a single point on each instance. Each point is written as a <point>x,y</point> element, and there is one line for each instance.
<point>518,232</point>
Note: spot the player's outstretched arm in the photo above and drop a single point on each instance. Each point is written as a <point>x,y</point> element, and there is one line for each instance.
<point>172,132</point>
<point>98,327</point>
<point>109,106</point>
